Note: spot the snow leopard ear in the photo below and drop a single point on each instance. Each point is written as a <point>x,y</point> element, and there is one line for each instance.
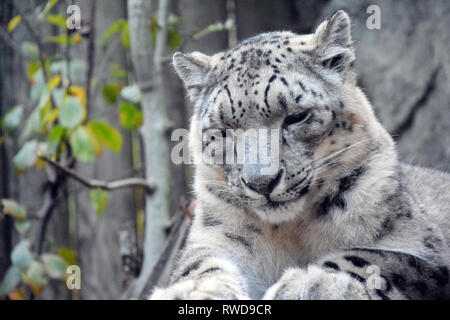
<point>333,42</point>
<point>193,69</point>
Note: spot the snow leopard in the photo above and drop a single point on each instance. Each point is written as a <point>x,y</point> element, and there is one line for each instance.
<point>341,217</point>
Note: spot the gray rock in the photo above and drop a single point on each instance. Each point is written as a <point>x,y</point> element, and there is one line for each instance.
<point>404,69</point>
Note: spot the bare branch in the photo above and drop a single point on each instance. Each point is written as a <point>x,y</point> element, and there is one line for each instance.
<point>90,53</point>
<point>11,43</point>
<point>44,214</point>
<point>108,186</point>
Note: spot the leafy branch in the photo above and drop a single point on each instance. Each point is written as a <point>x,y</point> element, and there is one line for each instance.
<point>104,185</point>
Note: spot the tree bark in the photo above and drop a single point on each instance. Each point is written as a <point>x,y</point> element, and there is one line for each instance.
<point>148,71</point>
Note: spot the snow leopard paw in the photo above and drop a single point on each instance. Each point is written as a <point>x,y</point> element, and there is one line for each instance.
<point>314,283</point>
<point>210,288</point>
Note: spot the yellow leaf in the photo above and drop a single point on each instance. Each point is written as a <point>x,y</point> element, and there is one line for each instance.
<point>40,163</point>
<point>50,117</point>
<point>54,82</point>
<point>77,38</point>
<point>35,277</point>
<point>98,148</point>
<point>79,93</point>
<point>14,22</point>
<point>17,294</point>
<point>44,114</point>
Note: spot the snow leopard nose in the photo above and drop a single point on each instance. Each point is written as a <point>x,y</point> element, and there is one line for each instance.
<point>263,184</point>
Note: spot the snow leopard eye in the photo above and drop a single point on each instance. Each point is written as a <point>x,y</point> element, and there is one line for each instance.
<point>298,118</point>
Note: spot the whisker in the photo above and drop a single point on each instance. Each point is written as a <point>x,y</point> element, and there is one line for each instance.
<point>331,155</point>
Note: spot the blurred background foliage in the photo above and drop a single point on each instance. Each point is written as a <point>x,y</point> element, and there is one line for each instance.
<point>74,177</point>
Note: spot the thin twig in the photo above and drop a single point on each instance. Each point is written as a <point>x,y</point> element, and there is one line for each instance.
<point>34,32</point>
<point>102,66</point>
<point>12,43</point>
<point>109,186</point>
<point>90,53</point>
<point>45,212</point>
<point>51,192</point>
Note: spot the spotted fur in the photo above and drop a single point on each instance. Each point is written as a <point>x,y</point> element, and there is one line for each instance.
<point>341,218</point>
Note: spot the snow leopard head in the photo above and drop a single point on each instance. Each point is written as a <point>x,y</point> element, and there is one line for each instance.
<point>301,88</point>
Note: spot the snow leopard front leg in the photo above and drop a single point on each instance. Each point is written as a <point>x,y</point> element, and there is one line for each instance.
<point>364,274</point>
<point>209,266</point>
<point>204,275</point>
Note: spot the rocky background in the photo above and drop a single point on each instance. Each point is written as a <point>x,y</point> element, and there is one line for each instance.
<point>404,68</point>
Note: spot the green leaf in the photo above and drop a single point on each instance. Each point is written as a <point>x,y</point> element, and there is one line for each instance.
<point>49,5</point>
<point>32,126</point>
<point>125,36</point>
<point>131,93</point>
<point>58,95</point>
<point>215,27</point>
<point>26,157</point>
<point>30,49</point>
<point>39,84</point>
<point>54,265</point>
<point>32,68</point>
<point>174,39</point>
<point>106,135</point>
<point>18,212</point>
<point>56,133</point>
<point>69,255</point>
<point>35,277</point>
<point>154,29</point>
<point>116,71</point>
<point>10,281</point>
<point>99,200</point>
<point>44,99</point>
<point>82,147</point>
<point>71,112</point>
<point>130,117</point>
<point>14,22</point>
<point>21,254</point>
<point>12,118</point>
<point>115,27</point>
<point>111,92</point>
<point>13,209</point>
<point>57,20</point>
<point>63,39</point>
<point>22,225</point>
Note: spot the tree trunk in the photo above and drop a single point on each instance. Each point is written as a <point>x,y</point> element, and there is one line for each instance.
<point>148,71</point>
